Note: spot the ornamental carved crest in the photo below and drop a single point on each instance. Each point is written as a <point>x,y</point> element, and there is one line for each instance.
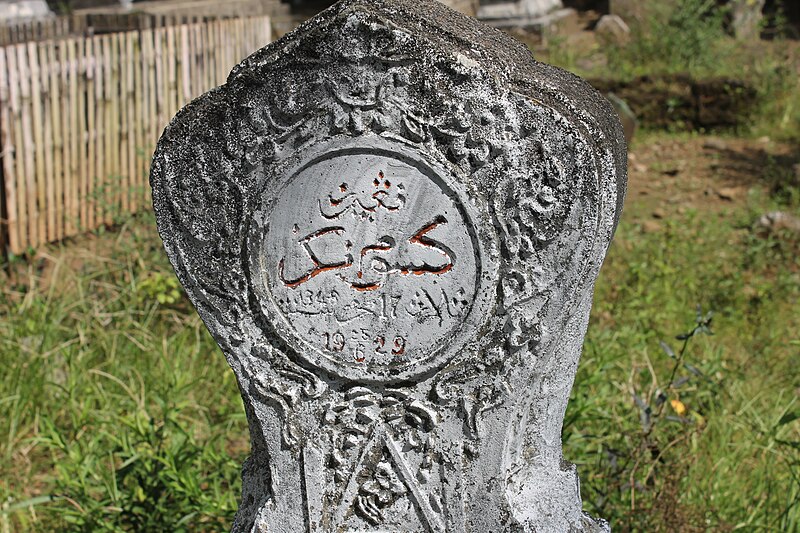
<point>391,221</point>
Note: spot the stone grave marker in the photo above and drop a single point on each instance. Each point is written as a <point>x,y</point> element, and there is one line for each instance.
<point>747,17</point>
<point>391,221</point>
<point>12,11</point>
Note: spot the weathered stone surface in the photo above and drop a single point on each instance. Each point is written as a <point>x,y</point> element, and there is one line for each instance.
<point>391,221</point>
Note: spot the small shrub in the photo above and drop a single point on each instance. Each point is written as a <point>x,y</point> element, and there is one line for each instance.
<point>680,37</point>
<point>639,466</point>
<point>159,287</point>
<point>140,473</point>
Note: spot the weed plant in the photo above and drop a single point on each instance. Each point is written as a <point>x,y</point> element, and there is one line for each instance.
<point>118,410</point>
<point>693,432</point>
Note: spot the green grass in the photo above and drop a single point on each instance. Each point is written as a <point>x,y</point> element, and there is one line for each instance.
<point>732,460</point>
<point>119,407</point>
<point>120,414</point>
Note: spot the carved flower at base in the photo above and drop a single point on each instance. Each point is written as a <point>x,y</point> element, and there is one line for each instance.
<point>379,493</point>
<point>384,485</point>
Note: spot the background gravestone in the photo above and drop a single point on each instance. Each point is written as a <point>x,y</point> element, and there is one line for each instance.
<point>391,221</point>
<point>747,17</point>
<point>539,16</point>
<point>23,10</point>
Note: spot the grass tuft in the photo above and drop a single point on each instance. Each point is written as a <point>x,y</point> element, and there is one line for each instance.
<point>121,413</point>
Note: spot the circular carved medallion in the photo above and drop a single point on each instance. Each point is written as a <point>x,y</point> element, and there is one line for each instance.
<point>370,259</point>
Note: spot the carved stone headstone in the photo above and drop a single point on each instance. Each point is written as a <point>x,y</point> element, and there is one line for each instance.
<point>391,221</point>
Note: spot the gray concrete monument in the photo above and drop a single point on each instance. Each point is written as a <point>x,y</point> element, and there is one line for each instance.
<point>537,15</point>
<point>391,221</point>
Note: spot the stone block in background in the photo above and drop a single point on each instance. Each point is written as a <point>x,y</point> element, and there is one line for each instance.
<point>746,18</point>
<point>507,9</point>
<point>391,220</point>
<point>628,10</point>
<point>24,10</point>
<point>626,115</point>
<point>612,30</point>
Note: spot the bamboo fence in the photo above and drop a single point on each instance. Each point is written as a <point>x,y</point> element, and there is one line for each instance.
<point>79,119</point>
<point>39,30</point>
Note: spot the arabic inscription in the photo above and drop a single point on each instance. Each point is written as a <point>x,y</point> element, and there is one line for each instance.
<point>370,260</point>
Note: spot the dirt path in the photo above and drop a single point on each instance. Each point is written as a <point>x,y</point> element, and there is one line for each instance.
<point>669,175</point>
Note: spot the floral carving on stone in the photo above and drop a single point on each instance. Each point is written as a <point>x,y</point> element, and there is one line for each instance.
<point>391,221</point>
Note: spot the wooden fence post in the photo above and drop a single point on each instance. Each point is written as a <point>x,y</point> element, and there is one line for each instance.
<point>9,237</point>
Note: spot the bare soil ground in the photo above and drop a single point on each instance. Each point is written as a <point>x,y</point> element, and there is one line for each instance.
<point>669,175</point>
